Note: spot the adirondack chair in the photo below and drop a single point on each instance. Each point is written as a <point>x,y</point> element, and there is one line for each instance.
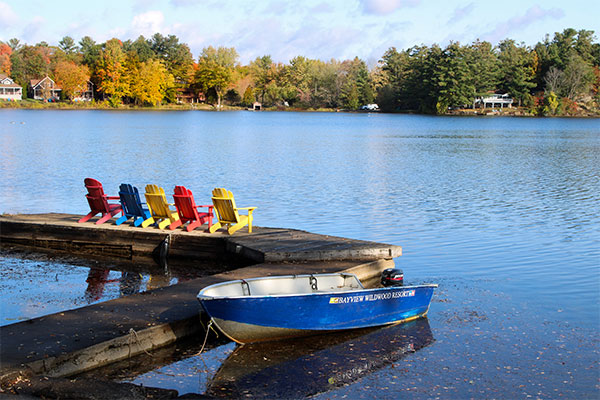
<point>131,205</point>
<point>159,208</point>
<point>98,202</point>
<point>188,210</point>
<point>227,212</point>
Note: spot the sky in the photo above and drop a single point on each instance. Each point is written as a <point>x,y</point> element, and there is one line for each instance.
<point>320,29</point>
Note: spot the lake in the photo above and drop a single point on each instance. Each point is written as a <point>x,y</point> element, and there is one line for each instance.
<point>504,213</point>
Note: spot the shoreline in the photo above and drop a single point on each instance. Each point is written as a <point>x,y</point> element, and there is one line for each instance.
<point>97,106</point>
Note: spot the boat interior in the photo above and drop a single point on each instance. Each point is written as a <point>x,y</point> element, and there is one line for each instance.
<point>285,285</point>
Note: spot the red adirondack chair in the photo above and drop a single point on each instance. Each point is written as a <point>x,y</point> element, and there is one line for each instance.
<point>188,210</point>
<point>99,202</point>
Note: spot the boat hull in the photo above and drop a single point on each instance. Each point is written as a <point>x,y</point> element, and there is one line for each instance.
<point>261,318</point>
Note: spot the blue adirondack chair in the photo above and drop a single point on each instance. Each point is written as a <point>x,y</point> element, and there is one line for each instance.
<point>132,205</point>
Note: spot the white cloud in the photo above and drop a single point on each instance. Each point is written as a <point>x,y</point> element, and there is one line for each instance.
<point>35,31</point>
<point>7,16</point>
<point>461,12</point>
<point>384,7</point>
<point>148,23</point>
<point>518,23</point>
<point>185,3</point>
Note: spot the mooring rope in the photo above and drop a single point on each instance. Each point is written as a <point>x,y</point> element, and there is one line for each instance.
<point>208,328</point>
<point>133,335</point>
<point>199,353</point>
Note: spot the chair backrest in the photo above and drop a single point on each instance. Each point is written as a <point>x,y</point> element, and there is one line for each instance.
<point>157,201</point>
<point>185,204</point>
<point>225,206</point>
<point>95,196</point>
<point>130,200</point>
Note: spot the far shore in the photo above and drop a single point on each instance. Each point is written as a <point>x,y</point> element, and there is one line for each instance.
<point>29,104</point>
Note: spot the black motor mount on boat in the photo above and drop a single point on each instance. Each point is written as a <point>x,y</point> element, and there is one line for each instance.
<point>392,277</point>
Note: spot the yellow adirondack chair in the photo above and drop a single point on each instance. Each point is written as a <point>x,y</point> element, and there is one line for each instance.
<point>159,208</point>
<point>227,212</point>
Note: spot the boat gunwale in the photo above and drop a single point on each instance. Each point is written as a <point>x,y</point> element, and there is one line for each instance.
<point>202,297</point>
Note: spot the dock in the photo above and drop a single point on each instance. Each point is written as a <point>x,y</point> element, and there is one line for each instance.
<point>62,232</point>
<point>74,341</point>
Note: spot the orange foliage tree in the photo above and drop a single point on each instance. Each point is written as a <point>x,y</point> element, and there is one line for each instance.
<point>5,64</point>
<point>72,78</point>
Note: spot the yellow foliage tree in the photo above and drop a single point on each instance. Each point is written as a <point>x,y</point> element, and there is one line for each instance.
<point>151,82</point>
<point>111,72</point>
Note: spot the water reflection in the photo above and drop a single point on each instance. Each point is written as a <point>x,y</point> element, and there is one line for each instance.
<point>66,283</point>
<point>308,366</point>
<point>96,280</point>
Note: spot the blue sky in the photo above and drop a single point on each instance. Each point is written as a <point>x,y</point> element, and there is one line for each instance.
<point>340,29</point>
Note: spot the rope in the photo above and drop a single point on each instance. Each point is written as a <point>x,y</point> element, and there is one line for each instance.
<point>208,328</point>
<point>133,335</point>
<point>199,353</point>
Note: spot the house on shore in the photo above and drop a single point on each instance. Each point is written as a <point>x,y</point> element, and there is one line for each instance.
<point>9,90</point>
<point>494,100</point>
<point>85,92</point>
<point>44,89</point>
<point>188,96</point>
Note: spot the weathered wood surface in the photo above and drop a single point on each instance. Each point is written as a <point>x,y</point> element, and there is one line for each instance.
<point>61,231</point>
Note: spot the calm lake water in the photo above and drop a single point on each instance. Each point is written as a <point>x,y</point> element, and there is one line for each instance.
<point>503,212</point>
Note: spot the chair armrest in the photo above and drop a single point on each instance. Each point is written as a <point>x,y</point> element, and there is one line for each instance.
<point>250,209</point>
<point>113,197</point>
<point>209,206</point>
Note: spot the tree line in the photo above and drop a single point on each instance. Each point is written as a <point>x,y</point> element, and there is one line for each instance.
<point>556,75</point>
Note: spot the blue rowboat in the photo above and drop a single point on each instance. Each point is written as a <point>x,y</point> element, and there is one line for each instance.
<point>278,307</point>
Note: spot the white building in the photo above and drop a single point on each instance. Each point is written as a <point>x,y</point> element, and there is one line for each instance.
<point>494,100</point>
<point>9,90</point>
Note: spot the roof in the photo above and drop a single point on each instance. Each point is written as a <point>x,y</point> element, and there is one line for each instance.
<point>36,82</point>
<point>7,85</point>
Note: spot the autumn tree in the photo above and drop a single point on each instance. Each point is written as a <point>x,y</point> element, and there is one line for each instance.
<point>5,64</point>
<point>29,62</point>
<point>300,75</point>
<point>151,83</point>
<point>263,74</point>
<point>215,70</point>
<point>72,78</point>
<point>111,72</point>
<point>248,97</point>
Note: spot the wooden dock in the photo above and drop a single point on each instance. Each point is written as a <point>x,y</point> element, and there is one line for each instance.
<point>70,342</point>
<point>62,232</point>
